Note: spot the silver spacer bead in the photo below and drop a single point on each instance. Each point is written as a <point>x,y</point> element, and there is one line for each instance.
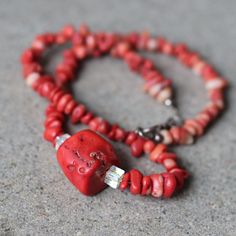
<point>114,176</point>
<point>60,140</point>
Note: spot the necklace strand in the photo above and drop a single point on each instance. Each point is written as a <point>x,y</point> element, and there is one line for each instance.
<point>152,141</point>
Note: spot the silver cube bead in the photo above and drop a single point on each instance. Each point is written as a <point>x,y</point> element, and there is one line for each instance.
<point>60,140</point>
<point>114,176</point>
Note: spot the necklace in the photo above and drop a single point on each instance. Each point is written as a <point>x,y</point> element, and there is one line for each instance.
<point>88,159</point>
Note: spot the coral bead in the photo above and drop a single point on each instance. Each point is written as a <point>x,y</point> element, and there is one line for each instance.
<point>137,147</point>
<point>136,181</point>
<point>84,159</point>
<point>169,184</point>
<point>157,185</point>
<point>146,185</point>
<point>77,113</point>
<point>160,148</point>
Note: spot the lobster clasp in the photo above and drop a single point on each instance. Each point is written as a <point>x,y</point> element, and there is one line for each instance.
<point>153,132</point>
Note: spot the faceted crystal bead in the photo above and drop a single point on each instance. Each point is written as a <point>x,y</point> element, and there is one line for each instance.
<point>114,176</point>
<point>60,140</point>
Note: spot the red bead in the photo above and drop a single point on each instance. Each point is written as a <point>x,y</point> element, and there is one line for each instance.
<point>68,31</point>
<point>166,155</point>
<point>27,56</point>
<point>169,184</point>
<point>135,181</point>
<point>125,181</point>
<point>47,88</point>
<point>157,185</point>
<point>84,159</point>
<point>180,176</point>
<point>54,124</point>
<point>157,151</point>
<point>87,118</point>
<point>94,123</point>
<point>131,137</point>
<point>70,107</point>
<point>63,102</point>
<point>104,127</point>
<point>51,133</point>
<point>137,147</point>
<point>120,134</point>
<point>78,113</point>
<point>148,146</point>
<point>146,185</point>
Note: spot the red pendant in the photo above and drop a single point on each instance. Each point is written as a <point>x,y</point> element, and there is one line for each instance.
<point>84,158</point>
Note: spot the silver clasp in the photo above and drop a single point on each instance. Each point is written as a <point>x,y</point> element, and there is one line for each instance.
<point>153,132</point>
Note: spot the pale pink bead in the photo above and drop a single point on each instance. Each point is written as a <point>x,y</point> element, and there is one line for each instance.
<point>204,116</point>
<point>164,94</point>
<point>38,45</point>
<point>80,52</point>
<point>169,164</point>
<point>167,138</point>
<point>149,84</point>
<point>215,84</point>
<point>152,44</point>
<point>32,78</point>
<point>191,129</point>
<point>214,110</point>
<point>91,42</point>
<point>189,139</point>
<point>220,104</point>
<point>154,90</point>
<point>198,67</point>
<point>197,126</point>
<point>157,189</point>
<point>122,48</point>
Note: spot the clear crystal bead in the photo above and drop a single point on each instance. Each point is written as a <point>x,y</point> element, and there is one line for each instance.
<point>114,176</point>
<point>60,140</point>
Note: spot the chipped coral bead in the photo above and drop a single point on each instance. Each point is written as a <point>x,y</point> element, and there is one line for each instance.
<point>70,107</point>
<point>166,155</point>
<point>167,137</point>
<point>54,124</point>
<point>157,185</point>
<point>51,133</point>
<point>46,89</point>
<point>159,149</point>
<point>87,118</point>
<point>104,127</point>
<point>180,176</point>
<point>94,123</point>
<point>125,181</point>
<point>196,126</point>
<point>175,133</point>
<point>146,185</point>
<point>184,136</point>
<point>112,132</point>
<point>135,181</point>
<point>148,146</point>
<point>78,113</point>
<point>131,137</point>
<point>169,184</point>
<point>63,102</point>
<point>169,164</point>
<point>120,134</point>
<point>137,147</point>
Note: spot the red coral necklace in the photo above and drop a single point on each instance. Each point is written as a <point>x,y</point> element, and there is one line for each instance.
<point>88,159</point>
